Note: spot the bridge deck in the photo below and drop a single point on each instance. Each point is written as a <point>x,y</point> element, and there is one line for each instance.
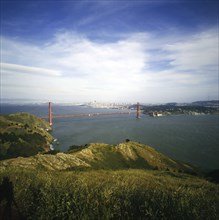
<point>90,115</point>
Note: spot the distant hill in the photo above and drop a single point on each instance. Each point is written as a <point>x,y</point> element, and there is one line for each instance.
<point>195,108</point>
<point>212,103</point>
<point>23,134</point>
<point>103,156</point>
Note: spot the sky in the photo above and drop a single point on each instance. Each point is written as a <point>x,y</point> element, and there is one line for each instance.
<point>149,51</point>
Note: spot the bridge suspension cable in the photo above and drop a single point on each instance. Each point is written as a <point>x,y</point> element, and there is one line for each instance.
<point>51,116</point>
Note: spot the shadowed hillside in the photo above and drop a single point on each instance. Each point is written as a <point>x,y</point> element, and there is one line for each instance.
<point>23,134</point>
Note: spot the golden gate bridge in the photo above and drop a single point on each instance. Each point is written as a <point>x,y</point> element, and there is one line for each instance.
<point>50,116</point>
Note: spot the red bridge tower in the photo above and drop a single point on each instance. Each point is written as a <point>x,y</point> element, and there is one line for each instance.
<point>50,114</point>
<point>138,111</point>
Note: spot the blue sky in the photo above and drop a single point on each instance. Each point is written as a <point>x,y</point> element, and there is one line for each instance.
<point>116,51</point>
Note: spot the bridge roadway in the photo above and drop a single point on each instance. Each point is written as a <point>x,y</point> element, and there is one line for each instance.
<point>91,114</point>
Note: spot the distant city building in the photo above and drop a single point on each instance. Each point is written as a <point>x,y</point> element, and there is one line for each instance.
<point>96,104</point>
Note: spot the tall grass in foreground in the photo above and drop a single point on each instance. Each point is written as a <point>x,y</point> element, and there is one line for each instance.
<point>127,194</point>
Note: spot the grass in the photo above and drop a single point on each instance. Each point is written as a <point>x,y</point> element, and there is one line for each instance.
<point>23,134</point>
<point>95,156</point>
<point>121,194</point>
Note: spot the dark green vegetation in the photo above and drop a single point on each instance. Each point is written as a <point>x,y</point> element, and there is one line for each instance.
<point>23,134</point>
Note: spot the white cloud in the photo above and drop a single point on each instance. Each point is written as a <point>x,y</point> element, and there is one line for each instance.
<point>139,67</point>
<point>197,53</point>
<point>14,69</point>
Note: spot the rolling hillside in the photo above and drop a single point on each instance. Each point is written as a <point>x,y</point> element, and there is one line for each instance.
<point>133,194</point>
<point>102,156</point>
<point>23,134</point>
<point>100,181</point>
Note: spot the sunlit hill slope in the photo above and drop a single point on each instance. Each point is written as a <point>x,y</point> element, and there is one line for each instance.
<point>102,156</point>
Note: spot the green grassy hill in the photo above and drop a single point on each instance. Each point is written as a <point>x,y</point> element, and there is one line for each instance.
<point>119,194</point>
<point>23,134</point>
<point>103,156</point>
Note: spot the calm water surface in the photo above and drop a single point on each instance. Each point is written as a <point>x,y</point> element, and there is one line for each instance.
<point>193,139</point>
